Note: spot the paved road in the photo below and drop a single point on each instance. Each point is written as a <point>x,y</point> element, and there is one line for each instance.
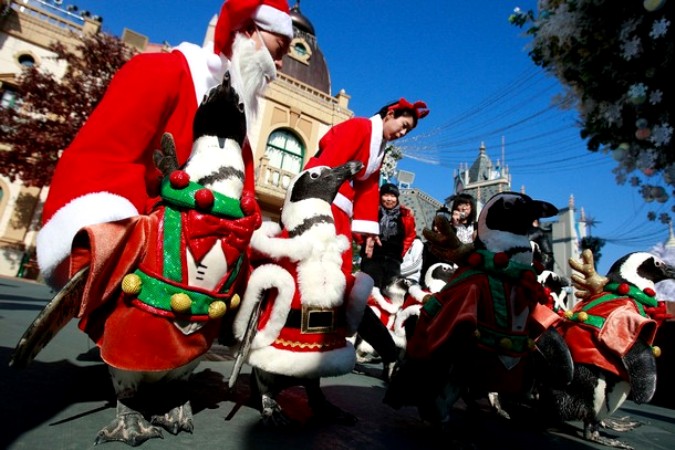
<point>65,397</point>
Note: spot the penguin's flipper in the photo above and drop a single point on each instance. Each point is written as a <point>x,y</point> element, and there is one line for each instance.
<point>641,366</point>
<point>53,317</point>
<point>554,360</point>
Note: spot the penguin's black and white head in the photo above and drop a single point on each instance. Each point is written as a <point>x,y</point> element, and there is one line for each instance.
<point>504,222</point>
<point>552,280</point>
<point>640,269</point>
<point>310,194</point>
<point>438,275</point>
<point>219,130</point>
<point>220,115</point>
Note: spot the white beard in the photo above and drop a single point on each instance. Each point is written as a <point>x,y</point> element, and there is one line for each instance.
<point>251,70</point>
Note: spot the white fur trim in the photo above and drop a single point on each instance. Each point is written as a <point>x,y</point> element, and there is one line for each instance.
<point>265,277</point>
<point>205,70</point>
<point>417,292</point>
<point>277,248</point>
<point>365,226</point>
<point>54,242</point>
<point>272,19</point>
<point>403,315</point>
<point>305,364</point>
<point>376,150</point>
<point>356,302</point>
<point>344,204</point>
<point>382,302</point>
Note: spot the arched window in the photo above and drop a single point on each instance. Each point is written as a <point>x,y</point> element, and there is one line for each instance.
<point>285,151</point>
<point>26,60</point>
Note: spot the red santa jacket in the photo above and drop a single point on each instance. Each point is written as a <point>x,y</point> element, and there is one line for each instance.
<point>357,139</point>
<point>601,330</point>
<point>297,334</point>
<point>107,173</point>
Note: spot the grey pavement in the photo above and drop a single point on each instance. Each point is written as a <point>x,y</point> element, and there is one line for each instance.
<point>64,397</point>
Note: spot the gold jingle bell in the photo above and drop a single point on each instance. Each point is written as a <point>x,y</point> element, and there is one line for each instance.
<point>181,303</point>
<point>131,284</point>
<point>531,344</point>
<point>568,314</point>
<point>656,351</point>
<point>582,316</point>
<point>505,343</point>
<point>476,334</point>
<point>217,309</point>
<point>234,301</point>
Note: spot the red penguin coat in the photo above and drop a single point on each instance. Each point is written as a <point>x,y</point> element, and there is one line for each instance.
<point>149,257</point>
<point>601,330</point>
<point>492,310</point>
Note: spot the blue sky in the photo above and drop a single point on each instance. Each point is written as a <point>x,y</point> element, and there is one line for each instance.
<point>471,67</point>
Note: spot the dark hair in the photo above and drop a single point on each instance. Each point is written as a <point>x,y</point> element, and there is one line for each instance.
<point>463,199</point>
<point>408,112</point>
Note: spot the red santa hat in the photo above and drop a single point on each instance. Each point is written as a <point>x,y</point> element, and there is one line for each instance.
<point>269,15</point>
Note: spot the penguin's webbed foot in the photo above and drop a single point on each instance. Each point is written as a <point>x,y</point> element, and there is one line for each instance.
<point>129,427</point>
<point>327,412</point>
<point>272,414</point>
<point>591,433</point>
<point>176,420</point>
<point>619,424</point>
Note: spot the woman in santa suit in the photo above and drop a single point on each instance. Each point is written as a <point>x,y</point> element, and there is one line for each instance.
<point>107,173</point>
<point>356,206</point>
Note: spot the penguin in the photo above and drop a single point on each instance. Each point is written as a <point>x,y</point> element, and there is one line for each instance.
<point>479,333</point>
<point>307,305</point>
<point>555,286</point>
<point>161,286</point>
<point>435,278</point>
<point>387,306</point>
<point>610,335</point>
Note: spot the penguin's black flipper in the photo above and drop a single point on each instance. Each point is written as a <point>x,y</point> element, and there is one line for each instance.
<point>641,365</point>
<point>554,360</point>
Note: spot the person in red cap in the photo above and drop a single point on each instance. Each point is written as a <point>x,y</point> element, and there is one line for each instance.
<point>107,173</point>
<point>364,139</point>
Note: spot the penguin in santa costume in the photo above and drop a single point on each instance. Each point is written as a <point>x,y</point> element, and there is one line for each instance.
<point>610,335</point>
<point>159,287</point>
<point>480,332</point>
<point>107,172</point>
<point>307,305</point>
<point>435,278</point>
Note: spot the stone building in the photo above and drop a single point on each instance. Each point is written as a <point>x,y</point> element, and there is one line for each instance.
<point>297,110</point>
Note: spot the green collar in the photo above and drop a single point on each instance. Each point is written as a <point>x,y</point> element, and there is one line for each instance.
<point>512,269</point>
<point>635,293</point>
<point>185,198</point>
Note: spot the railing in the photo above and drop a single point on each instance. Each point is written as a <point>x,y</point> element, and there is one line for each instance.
<point>272,179</point>
<point>51,14</point>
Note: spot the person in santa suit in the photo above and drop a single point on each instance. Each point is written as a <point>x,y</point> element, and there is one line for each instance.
<point>356,206</point>
<point>107,173</point>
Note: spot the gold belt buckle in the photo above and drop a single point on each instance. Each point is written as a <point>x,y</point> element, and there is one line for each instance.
<point>317,320</point>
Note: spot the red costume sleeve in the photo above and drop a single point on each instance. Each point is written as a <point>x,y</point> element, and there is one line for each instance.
<point>151,94</point>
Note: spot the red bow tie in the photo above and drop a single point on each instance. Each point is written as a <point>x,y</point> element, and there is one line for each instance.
<point>202,231</point>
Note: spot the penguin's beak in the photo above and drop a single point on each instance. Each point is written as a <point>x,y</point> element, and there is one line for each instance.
<point>345,171</point>
<point>669,272</point>
<point>543,209</point>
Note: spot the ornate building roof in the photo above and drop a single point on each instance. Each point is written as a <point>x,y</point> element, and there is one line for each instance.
<point>305,61</point>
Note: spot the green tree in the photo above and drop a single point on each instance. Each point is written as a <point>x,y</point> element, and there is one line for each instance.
<point>615,60</point>
<point>595,245</point>
<point>51,111</point>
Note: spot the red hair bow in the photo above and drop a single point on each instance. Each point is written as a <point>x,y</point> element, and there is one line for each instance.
<point>419,107</point>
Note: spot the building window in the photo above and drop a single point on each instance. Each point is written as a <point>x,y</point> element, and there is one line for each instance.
<point>300,50</point>
<point>9,99</point>
<point>26,60</point>
<point>285,151</point>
